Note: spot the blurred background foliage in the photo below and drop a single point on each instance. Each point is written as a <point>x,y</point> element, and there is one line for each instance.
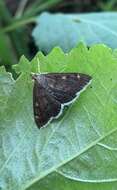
<point>18,18</point>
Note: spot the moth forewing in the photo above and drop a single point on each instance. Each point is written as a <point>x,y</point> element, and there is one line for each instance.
<point>52,91</point>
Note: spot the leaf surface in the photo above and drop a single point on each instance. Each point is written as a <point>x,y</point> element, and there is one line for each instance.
<point>79,149</point>
<point>66,30</point>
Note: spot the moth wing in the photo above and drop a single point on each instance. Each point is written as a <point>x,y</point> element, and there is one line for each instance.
<point>45,107</point>
<point>64,87</point>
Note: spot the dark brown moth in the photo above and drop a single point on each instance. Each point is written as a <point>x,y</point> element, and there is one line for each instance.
<point>52,91</point>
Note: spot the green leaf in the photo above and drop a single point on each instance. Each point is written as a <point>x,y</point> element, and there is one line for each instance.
<point>7,56</point>
<point>76,151</point>
<point>6,85</point>
<point>24,66</point>
<point>66,30</point>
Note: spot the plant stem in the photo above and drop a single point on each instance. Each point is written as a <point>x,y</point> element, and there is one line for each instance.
<point>31,11</point>
<point>20,9</point>
<point>17,24</point>
<point>5,16</point>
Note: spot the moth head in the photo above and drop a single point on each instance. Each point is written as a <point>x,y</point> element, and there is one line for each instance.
<point>34,76</point>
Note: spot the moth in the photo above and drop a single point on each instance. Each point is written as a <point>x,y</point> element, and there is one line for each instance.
<point>52,91</point>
